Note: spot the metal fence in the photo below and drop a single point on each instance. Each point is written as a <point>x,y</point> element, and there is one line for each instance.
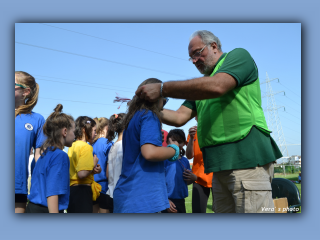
<point>286,169</point>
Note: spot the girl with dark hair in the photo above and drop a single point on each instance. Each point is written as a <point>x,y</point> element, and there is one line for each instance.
<point>28,133</point>
<point>116,127</point>
<point>178,175</point>
<point>101,146</point>
<point>83,164</point>
<point>141,187</point>
<point>50,189</point>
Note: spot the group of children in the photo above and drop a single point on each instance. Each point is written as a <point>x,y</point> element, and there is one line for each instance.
<point>135,174</point>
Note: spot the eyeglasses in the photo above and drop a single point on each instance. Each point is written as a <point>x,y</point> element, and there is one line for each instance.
<point>19,85</point>
<point>165,100</point>
<point>197,54</point>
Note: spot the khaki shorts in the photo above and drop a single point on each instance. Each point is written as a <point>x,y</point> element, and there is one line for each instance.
<point>243,190</point>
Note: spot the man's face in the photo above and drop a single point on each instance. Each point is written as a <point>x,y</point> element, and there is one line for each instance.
<point>206,61</point>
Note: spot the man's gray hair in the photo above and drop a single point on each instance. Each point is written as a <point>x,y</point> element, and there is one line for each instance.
<point>207,38</point>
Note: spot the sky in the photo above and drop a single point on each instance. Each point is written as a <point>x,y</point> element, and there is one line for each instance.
<point>83,65</point>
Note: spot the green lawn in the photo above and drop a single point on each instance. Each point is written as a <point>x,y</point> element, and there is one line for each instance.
<point>293,177</point>
<point>189,199</point>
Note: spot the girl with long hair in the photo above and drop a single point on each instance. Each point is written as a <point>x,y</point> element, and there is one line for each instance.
<point>50,189</point>
<point>28,133</point>
<point>141,187</point>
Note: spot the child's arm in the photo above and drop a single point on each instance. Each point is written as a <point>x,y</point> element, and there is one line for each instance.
<point>189,177</point>
<point>157,154</point>
<point>53,204</point>
<point>107,171</point>
<point>172,208</point>
<point>97,169</point>
<point>189,150</point>
<point>86,173</point>
<point>37,154</point>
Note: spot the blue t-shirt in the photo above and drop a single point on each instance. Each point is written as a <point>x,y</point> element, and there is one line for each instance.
<point>176,186</point>
<point>28,133</point>
<point>101,148</point>
<point>51,177</point>
<point>141,187</point>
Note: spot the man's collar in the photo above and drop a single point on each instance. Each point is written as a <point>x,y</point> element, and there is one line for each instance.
<point>220,58</point>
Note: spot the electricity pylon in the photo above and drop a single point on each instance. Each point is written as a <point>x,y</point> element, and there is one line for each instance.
<point>273,120</point>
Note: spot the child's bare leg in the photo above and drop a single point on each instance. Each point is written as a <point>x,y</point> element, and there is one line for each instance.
<point>104,210</point>
<point>96,208</point>
<point>20,207</point>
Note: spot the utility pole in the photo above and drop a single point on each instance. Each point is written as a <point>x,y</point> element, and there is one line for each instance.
<point>273,120</point>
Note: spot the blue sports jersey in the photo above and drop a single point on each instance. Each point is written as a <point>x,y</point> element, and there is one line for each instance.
<point>101,148</point>
<point>176,186</point>
<point>51,177</point>
<point>28,133</point>
<point>141,187</point>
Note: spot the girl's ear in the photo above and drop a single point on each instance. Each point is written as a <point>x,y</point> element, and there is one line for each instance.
<point>26,92</point>
<point>64,132</point>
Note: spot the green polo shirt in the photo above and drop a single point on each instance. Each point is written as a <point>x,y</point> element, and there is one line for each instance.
<point>257,148</point>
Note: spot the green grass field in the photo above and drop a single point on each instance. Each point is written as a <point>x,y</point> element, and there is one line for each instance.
<point>293,177</point>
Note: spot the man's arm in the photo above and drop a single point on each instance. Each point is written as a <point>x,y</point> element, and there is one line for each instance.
<point>194,89</point>
<point>177,118</point>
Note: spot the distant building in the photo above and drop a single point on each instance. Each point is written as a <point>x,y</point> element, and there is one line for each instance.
<point>292,160</point>
<point>295,160</point>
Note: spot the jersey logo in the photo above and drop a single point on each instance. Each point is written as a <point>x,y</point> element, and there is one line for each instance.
<point>28,126</point>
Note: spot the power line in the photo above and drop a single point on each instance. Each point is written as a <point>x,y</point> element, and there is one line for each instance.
<point>293,115</point>
<point>100,59</point>
<point>291,129</point>
<point>85,85</point>
<point>77,101</point>
<point>290,90</point>
<point>289,106</point>
<point>113,41</point>
<point>292,100</point>
<point>290,120</point>
<point>82,81</point>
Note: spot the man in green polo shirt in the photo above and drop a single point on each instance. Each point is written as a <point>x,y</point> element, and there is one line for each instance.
<point>232,131</point>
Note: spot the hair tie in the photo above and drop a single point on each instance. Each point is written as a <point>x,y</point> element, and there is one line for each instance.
<point>115,115</point>
<point>88,122</point>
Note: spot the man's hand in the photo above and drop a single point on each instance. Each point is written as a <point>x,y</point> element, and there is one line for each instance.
<point>96,169</point>
<point>172,208</point>
<point>192,132</point>
<point>149,92</point>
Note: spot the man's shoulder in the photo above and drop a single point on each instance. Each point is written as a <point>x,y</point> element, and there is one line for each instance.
<point>238,52</point>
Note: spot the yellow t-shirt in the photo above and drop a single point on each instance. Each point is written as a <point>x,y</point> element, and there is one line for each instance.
<point>81,158</point>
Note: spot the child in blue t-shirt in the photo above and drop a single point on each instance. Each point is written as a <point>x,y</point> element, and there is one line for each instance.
<point>50,181</point>
<point>178,175</point>
<point>28,133</point>
<point>101,147</point>
<point>141,187</point>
